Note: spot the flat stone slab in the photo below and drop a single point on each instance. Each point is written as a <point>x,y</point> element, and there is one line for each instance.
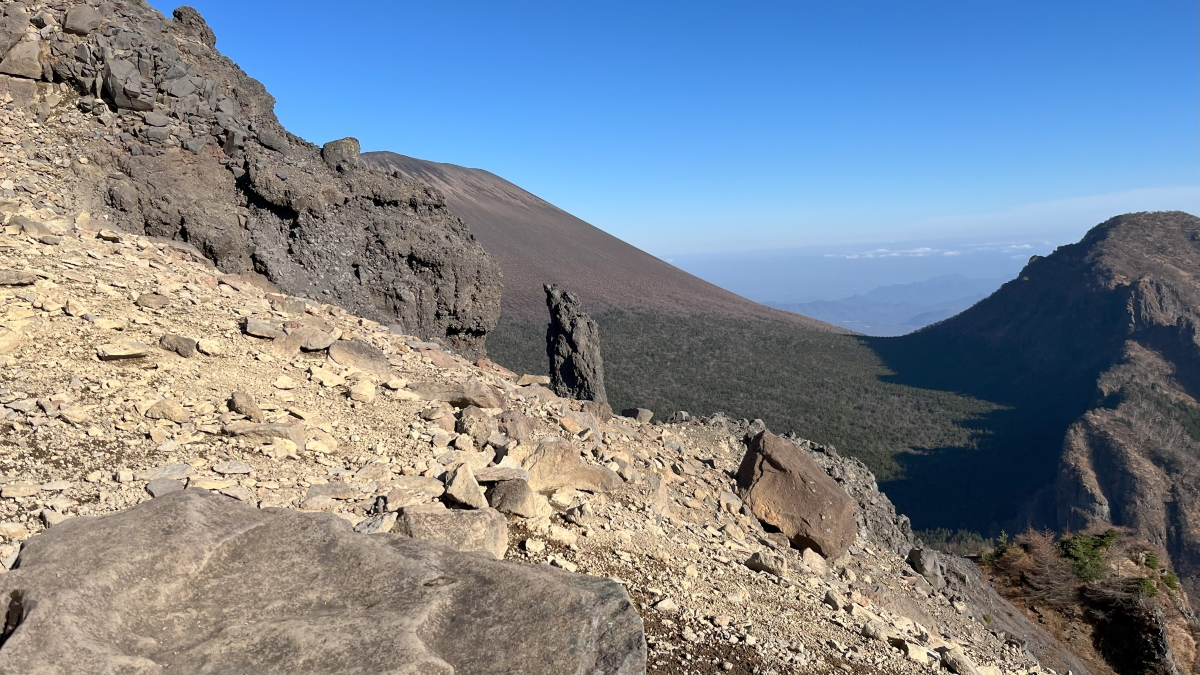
<point>362,355</point>
<point>172,471</point>
<point>495,474</point>
<point>335,490</point>
<point>226,468</point>
<point>17,278</point>
<point>194,582</point>
<point>163,486</point>
<point>122,350</point>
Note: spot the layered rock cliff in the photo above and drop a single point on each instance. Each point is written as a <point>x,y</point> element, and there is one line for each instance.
<point>1095,350</point>
<point>190,149</point>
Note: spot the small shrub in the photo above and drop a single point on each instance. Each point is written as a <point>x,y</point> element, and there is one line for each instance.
<point>1001,544</point>
<point>1033,562</point>
<point>1086,553</point>
<point>1145,586</point>
<point>1151,561</point>
<point>1171,580</point>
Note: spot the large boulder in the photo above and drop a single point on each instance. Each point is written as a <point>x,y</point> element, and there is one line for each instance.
<point>785,489</point>
<point>573,345</point>
<point>341,155</point>
<point>926,563</point>
<point>557,465</point>
<point>470,393</point>
<point>192,582</point>
<point>23,60</point>
<point>361,355</point>
<point>83,19</point>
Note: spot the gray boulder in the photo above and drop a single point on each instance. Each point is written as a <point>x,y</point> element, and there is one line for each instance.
<point>483,531</point>
<point>926,563</point>
<point>642,415</point>
<point>573,345</point>
<point>361,355</point>
<point>12,26</point>
<point>23,60</point>
<point>476,423</point>
<point>82,19</point>
<point>556,465</point>
<point>463,490</point>
<point>515,497</point>
<point>124,84</point>
<point>470,393</point>
<point>193,582</point>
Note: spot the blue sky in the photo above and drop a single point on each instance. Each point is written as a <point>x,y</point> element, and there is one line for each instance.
<point>700,127</point>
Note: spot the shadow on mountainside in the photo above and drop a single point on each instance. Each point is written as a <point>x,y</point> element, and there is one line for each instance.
<point>822,385</point>
<point>1001,479</point>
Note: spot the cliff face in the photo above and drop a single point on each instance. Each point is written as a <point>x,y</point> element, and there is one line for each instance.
<point>193,151</point>
<point>1096,349</point>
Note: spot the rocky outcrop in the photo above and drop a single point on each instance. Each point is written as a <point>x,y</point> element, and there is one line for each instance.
<point>1095,351</point>
<point>195,582</point>
<point>573,345</point>
<point>786,490</point>
<point>194,152</point>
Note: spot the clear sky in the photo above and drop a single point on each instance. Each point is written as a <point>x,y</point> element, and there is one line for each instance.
<point>688,127</point>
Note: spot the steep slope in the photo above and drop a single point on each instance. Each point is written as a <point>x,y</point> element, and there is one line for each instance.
<point>189,148</point>
<point>538,243</point>
<point>1094,351</point>
<point>130,367</point>
<point>673,342</point>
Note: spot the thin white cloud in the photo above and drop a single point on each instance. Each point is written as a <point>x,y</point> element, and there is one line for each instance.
<point>1076,213</point>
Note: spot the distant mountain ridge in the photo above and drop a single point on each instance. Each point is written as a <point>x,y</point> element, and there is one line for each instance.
<point>1094,351</point>
<point>899,308</point>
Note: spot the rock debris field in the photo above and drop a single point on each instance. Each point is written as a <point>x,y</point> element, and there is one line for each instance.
<point>197,471</point>
<point>132,369</point>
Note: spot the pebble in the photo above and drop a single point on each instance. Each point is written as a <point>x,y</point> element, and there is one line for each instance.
<point>666,606</point>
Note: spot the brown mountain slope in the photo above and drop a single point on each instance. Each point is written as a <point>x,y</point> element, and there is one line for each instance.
<point>1095,351</point>
<point>537,243</point>
<point>674,342</point>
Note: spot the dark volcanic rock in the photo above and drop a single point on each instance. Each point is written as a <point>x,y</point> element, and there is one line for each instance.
<point>341,155</point>
<point>204,160</point>
<point>573,345</point>
<point>192,582</point>
<point>191,21</point>
<point>786,489</point>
